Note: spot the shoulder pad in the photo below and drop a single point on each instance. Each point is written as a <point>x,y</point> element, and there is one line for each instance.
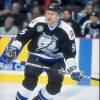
<point>37,20</point>
<point>68,29</point>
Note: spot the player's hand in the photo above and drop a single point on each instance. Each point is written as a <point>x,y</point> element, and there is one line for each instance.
<point>9,55</point>
<point>76,73</point>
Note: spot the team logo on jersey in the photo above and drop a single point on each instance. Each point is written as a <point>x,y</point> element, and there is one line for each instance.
<point>47,42</point>
<point>39,28</point>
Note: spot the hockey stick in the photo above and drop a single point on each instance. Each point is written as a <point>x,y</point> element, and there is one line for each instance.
<point>44,67</point>
<point>60,71</point>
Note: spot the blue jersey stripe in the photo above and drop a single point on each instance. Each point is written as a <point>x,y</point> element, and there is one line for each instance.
<point>85,59</point>
<point>21,97</point>
<point>41,96</point>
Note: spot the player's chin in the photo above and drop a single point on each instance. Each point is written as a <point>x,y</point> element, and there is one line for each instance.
<point>51,23</point>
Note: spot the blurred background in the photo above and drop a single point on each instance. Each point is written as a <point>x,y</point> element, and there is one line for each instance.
<point>82,15</point>
<point>16,14</point>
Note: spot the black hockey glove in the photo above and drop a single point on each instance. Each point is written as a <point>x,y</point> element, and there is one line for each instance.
<point>76,73</point>
<point>9,55</point>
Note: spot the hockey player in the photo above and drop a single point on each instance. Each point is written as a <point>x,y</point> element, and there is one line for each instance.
<point>51,43</point>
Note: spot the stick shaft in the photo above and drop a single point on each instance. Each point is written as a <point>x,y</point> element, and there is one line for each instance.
<point>46,68</point>
<point>65,72</point>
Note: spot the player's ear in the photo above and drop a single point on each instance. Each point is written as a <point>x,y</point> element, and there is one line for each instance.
<point>58,17</point>
<point>45,16</point>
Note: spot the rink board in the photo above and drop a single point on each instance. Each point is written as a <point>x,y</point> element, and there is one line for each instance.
<point>17,77</point>
<point>87,58</point>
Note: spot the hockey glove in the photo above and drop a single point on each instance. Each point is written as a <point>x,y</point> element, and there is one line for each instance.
<point>75,73</point>
<point>9,55</point>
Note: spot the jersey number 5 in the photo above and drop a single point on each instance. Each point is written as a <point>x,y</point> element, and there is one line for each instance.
<point>73,47</point>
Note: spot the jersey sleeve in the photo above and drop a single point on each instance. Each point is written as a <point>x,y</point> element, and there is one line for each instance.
<point>68,44</point>
<point>69,47</point>
<point>25,35</point>
<point>68,41</point>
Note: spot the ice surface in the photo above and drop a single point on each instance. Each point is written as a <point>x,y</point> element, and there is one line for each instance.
<point>8,92</point>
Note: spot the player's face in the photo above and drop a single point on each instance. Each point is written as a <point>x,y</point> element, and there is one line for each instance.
<point>52,17</point>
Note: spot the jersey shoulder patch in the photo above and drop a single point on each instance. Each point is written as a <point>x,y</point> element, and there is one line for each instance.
<point>37,20</point>
<point>68,29</point>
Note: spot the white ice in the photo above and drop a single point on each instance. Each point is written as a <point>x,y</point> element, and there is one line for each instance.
<point>8,92</point>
